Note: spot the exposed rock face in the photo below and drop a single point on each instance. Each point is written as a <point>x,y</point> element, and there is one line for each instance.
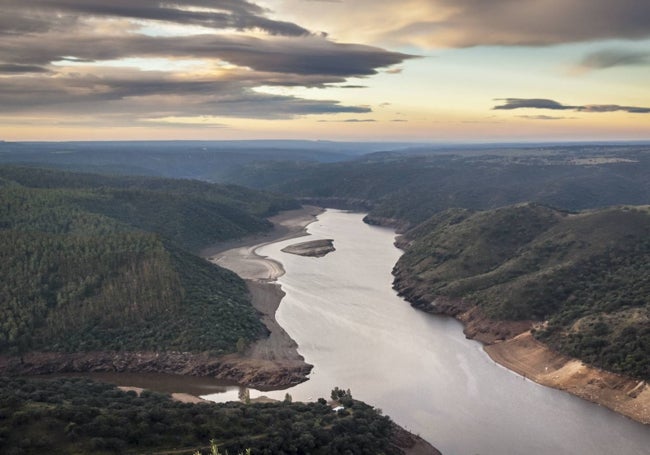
<point>313,248</point>
<point>477,325</point>
<point>256,373</point>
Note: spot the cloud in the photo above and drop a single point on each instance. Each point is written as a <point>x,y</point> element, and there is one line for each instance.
<point>313,55</point>
<point>543,22</point>
<point>62,58</point>
<point>215,14</point>
<point>466,23</point>
<point>349,120</point>
<point>537,103</point>
<point>14,68</point>
<point>534,103</point>
<point>611,58</point>
<point>543,117</point>
<point>155,94</point>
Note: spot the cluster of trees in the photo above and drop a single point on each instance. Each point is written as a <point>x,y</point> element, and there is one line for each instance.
<point>104,263</point>
<point>81,416</point>
<point>585,274</point>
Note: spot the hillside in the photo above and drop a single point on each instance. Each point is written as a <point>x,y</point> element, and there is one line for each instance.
<point>104,263</point>
<point>404,188</point>
<point>72,416</point>
<point>583,274</point>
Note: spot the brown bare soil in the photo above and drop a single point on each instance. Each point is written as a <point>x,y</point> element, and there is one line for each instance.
<point>534,360</point>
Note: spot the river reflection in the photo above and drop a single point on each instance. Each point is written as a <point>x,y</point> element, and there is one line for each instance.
<point>420,369</point>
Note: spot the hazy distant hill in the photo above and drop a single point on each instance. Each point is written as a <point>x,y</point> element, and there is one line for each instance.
<point>103,263</point>
<point>412,188</point>
<point>204,160</point>
<point>585,273</point>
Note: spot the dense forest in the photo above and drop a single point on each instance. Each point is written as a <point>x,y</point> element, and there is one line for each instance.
<point>92,262</point>
<point>585,274</point>
<point>69,416</point>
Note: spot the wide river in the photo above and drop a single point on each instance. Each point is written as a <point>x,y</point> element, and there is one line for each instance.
<point>419,368</point>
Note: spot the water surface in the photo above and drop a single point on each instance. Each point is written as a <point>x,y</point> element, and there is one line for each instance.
<point>418,368</point>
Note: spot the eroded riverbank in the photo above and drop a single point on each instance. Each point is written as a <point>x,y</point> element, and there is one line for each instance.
<point>511,344</point>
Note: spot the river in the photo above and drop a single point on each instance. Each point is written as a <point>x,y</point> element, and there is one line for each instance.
<point>419,368</point>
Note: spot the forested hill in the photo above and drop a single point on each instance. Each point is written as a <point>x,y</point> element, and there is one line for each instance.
<point>190,213</point>
<point>412,188</point>
<point>105,263</point>
<point>76,416</point>
<point>584,274</point>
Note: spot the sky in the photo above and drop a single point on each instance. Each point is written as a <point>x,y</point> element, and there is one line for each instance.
<point>360,70</point>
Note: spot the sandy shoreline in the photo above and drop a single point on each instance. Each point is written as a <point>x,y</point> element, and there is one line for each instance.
<point>276,355</point>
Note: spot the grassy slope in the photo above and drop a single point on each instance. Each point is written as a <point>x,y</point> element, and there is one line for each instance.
<point>93,263</point>
<point>586,274</point>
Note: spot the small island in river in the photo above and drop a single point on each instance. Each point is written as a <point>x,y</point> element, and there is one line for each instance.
<point>313,248</point>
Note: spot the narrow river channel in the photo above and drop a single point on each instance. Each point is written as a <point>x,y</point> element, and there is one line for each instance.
<point>418,368</point>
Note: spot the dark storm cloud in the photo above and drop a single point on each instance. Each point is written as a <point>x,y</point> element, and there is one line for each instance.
<point>537,103</point>
<point>615,57</point>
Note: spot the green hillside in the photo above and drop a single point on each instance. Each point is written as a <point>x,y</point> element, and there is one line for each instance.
<point>73,416</point>
<point>585,274</point>
<point>102,263</point>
